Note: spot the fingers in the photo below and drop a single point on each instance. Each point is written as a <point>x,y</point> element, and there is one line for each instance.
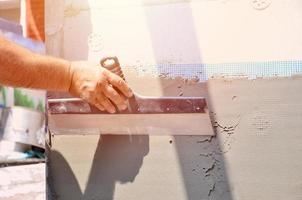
<point>109,106</point>
<point>99,106</point>
<point>106,90</point>
<point>118,99</point>
<point>102,102</point>
<point>119,83</point>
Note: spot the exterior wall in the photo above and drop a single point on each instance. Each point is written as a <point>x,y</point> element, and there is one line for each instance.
<point>256,153</point>
<point>146,34</point>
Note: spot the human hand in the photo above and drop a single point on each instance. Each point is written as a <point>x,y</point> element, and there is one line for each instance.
<point>98,86</point>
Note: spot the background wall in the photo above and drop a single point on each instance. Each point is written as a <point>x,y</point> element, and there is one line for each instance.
<point>201,38</point>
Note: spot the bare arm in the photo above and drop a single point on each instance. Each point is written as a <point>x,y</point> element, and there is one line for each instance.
<point>22,68</point>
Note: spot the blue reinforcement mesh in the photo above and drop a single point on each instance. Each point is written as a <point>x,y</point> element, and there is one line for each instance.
<point>204,71</point>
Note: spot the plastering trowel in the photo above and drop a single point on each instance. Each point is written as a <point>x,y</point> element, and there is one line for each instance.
<point>145,114</point>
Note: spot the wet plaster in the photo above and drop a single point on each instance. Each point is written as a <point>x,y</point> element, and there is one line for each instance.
<point>260,135</point>
<point>255,154</point>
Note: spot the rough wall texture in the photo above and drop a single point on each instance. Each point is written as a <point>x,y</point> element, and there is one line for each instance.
<point>256,153</point>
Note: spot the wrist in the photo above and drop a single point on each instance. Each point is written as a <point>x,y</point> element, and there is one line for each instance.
<point>59,72</point>
<point>70,76</point>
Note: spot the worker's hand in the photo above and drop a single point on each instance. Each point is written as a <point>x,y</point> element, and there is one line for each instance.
<point>98,86</point>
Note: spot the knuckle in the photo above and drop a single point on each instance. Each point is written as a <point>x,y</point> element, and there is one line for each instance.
<point>99,106</point>
<point>102,101</point>
<point>120,82</point>
<point>111,92</point>
<point>101,83</point>
<point>101,98</point>
<point>105,102</point>
<point>115,95</point>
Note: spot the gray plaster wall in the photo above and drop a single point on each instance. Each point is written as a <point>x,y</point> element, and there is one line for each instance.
<point>256,153</point>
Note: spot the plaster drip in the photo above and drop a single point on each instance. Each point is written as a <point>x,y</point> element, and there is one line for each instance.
<point>210,168</point>
<point>212,189</point>
<point>226,129</point>
<point>212,174</point>
<point>214,151</point>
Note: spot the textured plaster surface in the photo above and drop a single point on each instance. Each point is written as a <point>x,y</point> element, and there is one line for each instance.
<point>254,155</point>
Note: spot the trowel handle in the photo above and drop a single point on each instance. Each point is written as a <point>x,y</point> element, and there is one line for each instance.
<point>113,65</point>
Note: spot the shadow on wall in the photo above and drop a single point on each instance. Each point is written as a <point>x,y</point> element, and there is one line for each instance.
<point>175,42</point>
<point>118,158</point>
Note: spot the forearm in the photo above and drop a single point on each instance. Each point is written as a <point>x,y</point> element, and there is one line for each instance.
<point>22,68</point>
